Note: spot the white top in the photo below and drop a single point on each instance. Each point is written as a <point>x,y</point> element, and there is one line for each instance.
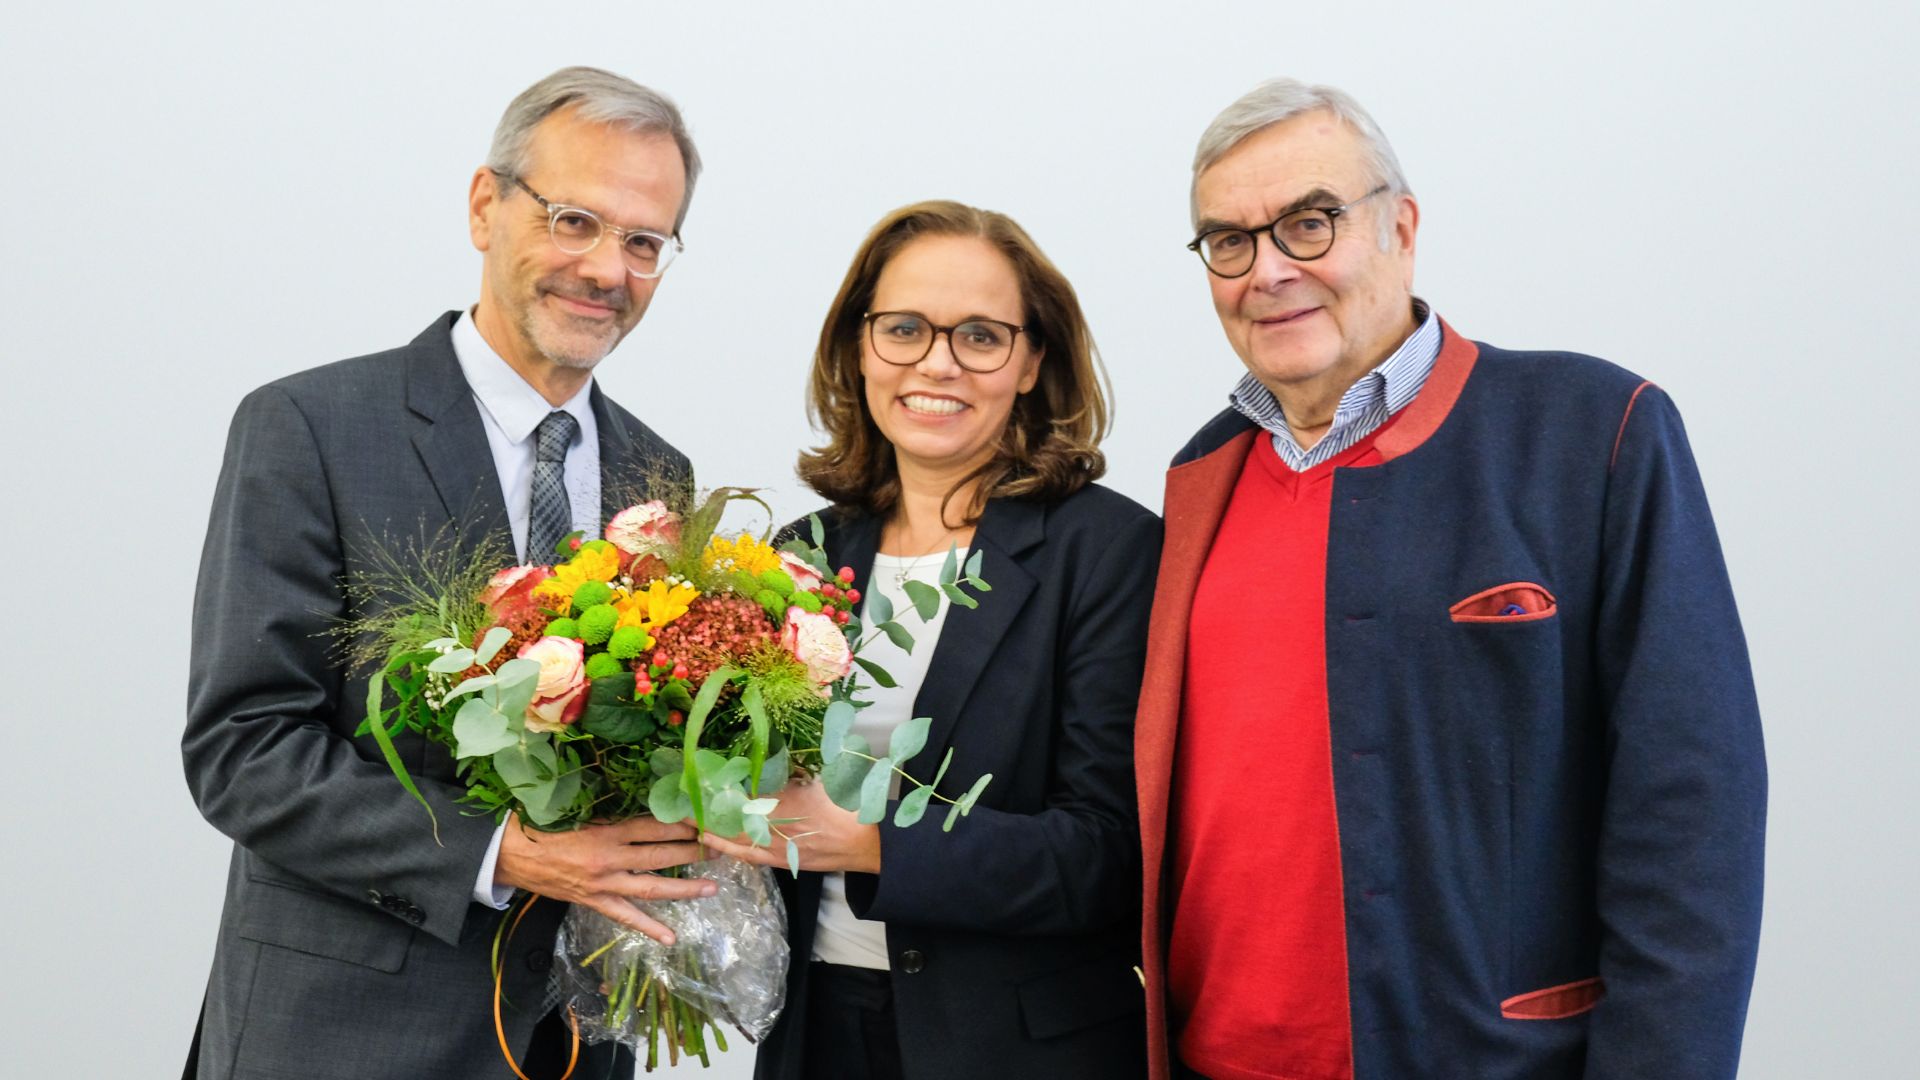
<point>839,936</point>
<point>510,410</point>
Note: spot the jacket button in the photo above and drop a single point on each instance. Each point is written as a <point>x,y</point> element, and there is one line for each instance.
<point>413,914</point>
<point>538,962</point>
<point>913,961</point>
<point>377,897</point>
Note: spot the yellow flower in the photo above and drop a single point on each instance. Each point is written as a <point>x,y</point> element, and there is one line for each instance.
<point>744,553</point>
<point>658,605</point>
<point>587,564</point>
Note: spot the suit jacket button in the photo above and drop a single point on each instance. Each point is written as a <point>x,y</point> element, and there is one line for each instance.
<point>913,961</point>
<point>377,897</point>
<point>538,962</point>
<point>412,913</point>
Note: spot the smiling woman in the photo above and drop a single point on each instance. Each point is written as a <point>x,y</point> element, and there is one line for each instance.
<point>957,384</point>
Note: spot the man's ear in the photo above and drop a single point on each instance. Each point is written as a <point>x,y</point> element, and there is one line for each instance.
<point>1406,226</point>
<point>483,200</point>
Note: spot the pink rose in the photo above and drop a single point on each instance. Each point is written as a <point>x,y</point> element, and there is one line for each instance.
<point>561,693</point>
<point>815,640</point>
<point>804,576</point>
<point>640,529</point>
<point>509,596</point>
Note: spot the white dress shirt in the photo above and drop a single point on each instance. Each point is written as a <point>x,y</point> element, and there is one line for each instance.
<point>840,936</point>
<point>511,409</point>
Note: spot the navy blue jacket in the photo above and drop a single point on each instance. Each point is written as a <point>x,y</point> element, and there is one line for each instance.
<point>1014,937</point>
<point>1551,821</point>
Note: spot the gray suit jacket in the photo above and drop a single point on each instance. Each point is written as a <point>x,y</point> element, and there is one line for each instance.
<point>349,944</point>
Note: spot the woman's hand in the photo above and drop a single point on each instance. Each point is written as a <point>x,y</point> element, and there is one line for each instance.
<point>830,838</point>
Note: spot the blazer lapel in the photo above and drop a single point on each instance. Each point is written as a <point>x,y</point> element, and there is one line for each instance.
<point>1197,497</point>
<point>1007,530</point>
<point>451,442</point>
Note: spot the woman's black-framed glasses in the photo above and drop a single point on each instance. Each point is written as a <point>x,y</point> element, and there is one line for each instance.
<point>904,338</point>
<point>1302,235</point>
<point>576,231</point>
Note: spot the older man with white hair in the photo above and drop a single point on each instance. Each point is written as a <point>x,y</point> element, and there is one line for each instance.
<point>1449,759</point>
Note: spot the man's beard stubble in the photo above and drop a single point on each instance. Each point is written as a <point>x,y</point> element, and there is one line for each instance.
<point>541,330</point>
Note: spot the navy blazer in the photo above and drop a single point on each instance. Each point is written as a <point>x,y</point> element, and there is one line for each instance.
<point>1552,820</point>
<point>1013,935</point>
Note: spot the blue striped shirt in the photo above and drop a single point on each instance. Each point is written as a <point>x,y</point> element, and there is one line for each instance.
<point>1366,405</point>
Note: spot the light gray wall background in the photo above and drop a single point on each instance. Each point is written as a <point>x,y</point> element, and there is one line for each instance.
<point>200,198</point>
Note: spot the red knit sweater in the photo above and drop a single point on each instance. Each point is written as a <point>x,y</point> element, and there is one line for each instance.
<point>1257,960</point>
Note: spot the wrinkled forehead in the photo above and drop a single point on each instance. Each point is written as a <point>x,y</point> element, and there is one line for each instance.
<point>1305,158</point>
<point>635,179</point>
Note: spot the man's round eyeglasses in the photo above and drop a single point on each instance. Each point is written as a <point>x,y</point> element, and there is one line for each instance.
<point>1301,235</point>
<point>576,231</point>
<point>904,338</point>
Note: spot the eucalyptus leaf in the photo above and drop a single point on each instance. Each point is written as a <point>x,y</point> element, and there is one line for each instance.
<point>668,801</point>
<point>899,635</point>
<point>926,599</point>
<point>950,569</point>
<point>953,815</point>
<point>877,673</point>
<point>473,685</point>
<point>973,794</point>
<point>757,829</point>
<point>724,815</point>
<point>873,794</point>
<point>480,730</point>
<point>908,738</point>
<point>944,762</point>
<point>439,643</point>
<point>843,775</point>
<point>793,858</point>
<point>912,806</point>
<point>664,761</point>
<point>762,807</point>
<point>773,774</point>
<point>734,772</point>
<point>979,584</point>
<point>878,606</point>
<point>973,562</point>
<point>954,594</point>
<point>566,788</point>
<point>517,680</point>
<point>452,662</point>
<point>491,644</point>
<point>834,729</point>
<point>817,530</point>
<point>528,762</point>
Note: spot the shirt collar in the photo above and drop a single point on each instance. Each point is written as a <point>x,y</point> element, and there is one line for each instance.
<point>515,406</point>
<point>1396,379</point>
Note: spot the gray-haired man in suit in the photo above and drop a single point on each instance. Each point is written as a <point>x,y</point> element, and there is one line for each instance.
<point>352,944</point>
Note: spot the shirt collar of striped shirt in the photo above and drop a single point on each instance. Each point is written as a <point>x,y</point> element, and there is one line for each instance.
<point>1367,404</point>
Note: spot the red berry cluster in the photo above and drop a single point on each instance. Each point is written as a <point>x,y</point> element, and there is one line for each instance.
<point>714,630</point>
<point>838,597</point>
<point>662,668</point>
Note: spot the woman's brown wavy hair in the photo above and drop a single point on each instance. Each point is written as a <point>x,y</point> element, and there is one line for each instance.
<point>1051,446</point>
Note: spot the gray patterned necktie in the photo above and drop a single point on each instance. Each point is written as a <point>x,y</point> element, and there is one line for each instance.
<point>550,514</point>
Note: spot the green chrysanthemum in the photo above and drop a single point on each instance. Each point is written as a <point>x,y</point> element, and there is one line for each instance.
<point>805,601</point>
<point>601,665</point>
<point>597,623</point>
<point>591,594</point>
<point>627,643</point>
<point>563,628</point>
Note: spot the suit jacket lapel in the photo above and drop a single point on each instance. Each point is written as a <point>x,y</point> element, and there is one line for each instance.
<point>1006,531</point>
<point>451,442</point>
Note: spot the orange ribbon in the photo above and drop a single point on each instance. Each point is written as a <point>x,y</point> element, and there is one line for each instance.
<point>499,1029</point>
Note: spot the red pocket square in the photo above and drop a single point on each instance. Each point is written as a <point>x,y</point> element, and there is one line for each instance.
<point>1516,601</point>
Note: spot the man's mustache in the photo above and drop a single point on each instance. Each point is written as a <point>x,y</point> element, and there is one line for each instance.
<point>574,289</point>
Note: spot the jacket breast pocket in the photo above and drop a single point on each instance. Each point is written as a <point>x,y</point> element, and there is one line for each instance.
<point>323,925</point>
<point>1078,997</point>
<point>1514,602</point>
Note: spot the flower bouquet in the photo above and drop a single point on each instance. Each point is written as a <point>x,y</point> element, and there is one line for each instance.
<point>661,669</point>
